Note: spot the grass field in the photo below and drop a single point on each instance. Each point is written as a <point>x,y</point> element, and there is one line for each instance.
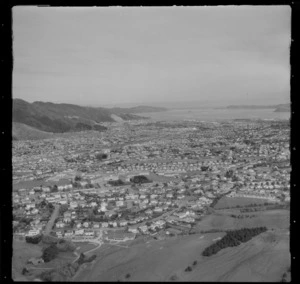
<point>25,132</point>
<point>277,219</point>
<point>264,258</point>
<point>84,246</point>
<point>227,202</point>
<point>22,251</point>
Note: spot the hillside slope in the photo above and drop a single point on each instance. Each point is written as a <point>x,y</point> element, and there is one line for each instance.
<point>264,258</point>
<point>21,131</point>
<point>283,108</point>
<point>59,118</point>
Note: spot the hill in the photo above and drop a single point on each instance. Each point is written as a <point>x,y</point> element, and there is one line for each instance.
<point>59,118</point>
<point>137,109</point>
<point>258,106</point>
<point>263,258</point>
<point>283,108</point>
<point>22,131</point>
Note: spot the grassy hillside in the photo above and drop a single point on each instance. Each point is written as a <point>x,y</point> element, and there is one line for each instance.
<point>283,108</point>
<point>264,258</point>
<point>21,131</point>
<point>59,118</point>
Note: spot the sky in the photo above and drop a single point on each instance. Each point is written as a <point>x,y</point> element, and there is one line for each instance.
<point>142,55</point>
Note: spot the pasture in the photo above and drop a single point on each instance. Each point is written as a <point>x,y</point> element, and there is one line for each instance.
<point>231,202</point>
<point>276,219</point>
<point>84,246</point>
<point>264,258</point>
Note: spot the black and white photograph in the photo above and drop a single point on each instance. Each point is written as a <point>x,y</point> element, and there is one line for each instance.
<point>151,143</point>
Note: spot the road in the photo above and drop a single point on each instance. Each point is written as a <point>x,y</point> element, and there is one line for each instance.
<point>52,219</point>
<point>95,241</point>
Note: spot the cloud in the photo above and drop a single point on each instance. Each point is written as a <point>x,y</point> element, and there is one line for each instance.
<point>134,54</point>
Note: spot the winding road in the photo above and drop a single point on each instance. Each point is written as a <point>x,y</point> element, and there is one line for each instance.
<point>98,241</point>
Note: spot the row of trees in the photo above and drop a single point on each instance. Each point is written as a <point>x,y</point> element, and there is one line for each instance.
<point>248,205</point>
<point>232,239</point>
<point>83,259</point>
<point>101,156</point>
<point>140,179</point>
<point>116,182</point>
<point>34,239</point>
<point>242,216</point>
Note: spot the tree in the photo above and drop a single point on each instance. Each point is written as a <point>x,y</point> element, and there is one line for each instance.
<point>54,188</point>
<point>101,156</point>
<point>204,168</point>
<point>127,275</point>
<point>50,253</point>
<point>77,178</point>
<point>229,174</point>
<point>81,258</point>
<point>33,239</point>
<point>63,208</point>
<point>24,271</point>
<point>235,178</point>
<point>43,203</point>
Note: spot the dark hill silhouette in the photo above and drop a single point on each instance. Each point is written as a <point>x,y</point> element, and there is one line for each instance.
<point>137,109</point>
<point>22,131</point>
<point>283,108</point>
<point>59,118</point>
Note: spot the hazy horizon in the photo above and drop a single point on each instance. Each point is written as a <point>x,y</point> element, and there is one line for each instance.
<point>118,56</point>
<point>167,104</point>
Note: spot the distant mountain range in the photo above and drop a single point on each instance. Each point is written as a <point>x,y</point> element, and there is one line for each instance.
<point>60,118</point>
<point>137,109</point>
<point>277,108</point>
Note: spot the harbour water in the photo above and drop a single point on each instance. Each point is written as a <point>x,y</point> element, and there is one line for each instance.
<point>213,114</point>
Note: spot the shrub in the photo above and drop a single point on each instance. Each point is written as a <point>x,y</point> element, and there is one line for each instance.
<point>90,259</point>
<point>140,179</point>
<point>24,271</point>
<point>34,239</point>
<point>46,276</point>
<point>47,239</point>
<point>64,245</point>
<point>127,275</point>
<point>116,182</point>
<point>50,253</point>
<point>81,258</point>
<point>188,269</point>
<point>101,157</point>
